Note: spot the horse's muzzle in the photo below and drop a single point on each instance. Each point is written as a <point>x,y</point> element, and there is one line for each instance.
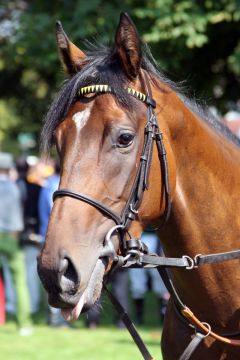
<point>61,281</point>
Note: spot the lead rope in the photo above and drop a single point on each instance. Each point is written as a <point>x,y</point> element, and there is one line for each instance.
<point>202,329</point>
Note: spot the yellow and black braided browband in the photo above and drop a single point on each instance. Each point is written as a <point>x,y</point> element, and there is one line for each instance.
<point>107,89</point>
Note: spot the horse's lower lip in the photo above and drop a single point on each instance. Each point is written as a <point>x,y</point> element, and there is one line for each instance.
<point>63,300</point>
<point>73,314</point>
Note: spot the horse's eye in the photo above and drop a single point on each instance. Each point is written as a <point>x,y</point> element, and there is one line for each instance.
<point>125,140</point>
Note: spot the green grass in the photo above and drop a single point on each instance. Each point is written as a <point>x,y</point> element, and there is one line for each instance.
<point>79,343</point>
<point>104,343</point>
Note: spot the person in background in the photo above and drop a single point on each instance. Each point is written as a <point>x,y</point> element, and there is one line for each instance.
<point>118,282</point>
<point>30,181</point>
<point>44,209</point>
<point>139,281</point>
<point>12,258</point>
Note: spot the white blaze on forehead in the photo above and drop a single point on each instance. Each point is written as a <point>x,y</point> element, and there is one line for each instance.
<point>81,118</point>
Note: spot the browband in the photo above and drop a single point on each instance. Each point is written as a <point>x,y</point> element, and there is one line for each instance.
<point>107,89</point>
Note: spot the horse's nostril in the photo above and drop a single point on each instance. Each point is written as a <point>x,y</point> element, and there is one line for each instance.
<point>69,277</point>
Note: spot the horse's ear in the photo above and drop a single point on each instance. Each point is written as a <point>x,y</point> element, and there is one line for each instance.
<point>128,46</point>
<point>71,56</point>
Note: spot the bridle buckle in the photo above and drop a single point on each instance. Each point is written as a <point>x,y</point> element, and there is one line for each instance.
<point>190,262</point>
<point>108,248</point>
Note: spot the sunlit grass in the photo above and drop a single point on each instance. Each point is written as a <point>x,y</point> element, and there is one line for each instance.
<point>104,343</point>
<point>76,343</point>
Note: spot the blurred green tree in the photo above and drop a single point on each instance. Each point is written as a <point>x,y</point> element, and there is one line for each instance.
<point>193,40</point>
<point>198,41</point>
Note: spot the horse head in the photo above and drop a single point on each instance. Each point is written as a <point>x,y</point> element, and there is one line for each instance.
<point>98,124</point>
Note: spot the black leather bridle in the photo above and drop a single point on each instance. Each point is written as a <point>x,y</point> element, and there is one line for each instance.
<point>151,133</point>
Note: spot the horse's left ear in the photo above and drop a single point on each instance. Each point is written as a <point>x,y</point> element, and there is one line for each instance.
<point>70,55</point>
<point>128,46</point>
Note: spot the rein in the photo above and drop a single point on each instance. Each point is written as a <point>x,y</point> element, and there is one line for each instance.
<point>135,253</point>
<point>140,258</point>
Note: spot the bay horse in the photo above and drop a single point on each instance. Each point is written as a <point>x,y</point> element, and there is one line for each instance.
<point>98,123</point>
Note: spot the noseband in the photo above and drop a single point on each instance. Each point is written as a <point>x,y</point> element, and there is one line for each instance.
<point>151,133</point>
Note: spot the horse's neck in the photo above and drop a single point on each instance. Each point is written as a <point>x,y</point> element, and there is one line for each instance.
<point>205,205</point>
<point>205,216</point>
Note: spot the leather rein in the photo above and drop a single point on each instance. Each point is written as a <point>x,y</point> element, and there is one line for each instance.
<point>134,252</point>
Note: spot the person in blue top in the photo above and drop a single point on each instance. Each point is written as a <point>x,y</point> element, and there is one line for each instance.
<point>44,208</point>
<point>30,239</point>
<point>45,202</point>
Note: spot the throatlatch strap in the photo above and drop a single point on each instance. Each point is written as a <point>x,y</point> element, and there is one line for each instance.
<point>129,325</point>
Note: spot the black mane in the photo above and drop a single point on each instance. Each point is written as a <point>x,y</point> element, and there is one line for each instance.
<point>103,67</point>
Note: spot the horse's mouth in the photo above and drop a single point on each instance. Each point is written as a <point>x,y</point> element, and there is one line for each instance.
<point>71,314</point>
<point>73,306</point>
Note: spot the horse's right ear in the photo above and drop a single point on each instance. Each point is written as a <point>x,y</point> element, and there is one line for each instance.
<point>71,56</point>
<point>128,46</point>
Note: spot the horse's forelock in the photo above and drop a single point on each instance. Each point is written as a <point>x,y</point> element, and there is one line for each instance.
<point>100,68</point>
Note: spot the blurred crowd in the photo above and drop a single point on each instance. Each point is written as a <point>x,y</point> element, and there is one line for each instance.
<point>26,187</point>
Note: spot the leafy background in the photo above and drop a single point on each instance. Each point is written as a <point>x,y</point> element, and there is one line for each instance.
<point>193,40</point>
